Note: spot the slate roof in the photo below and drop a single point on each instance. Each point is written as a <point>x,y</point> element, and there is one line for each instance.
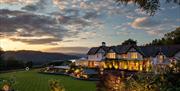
<point>94,50</point>
<point>146,51</point>
<point>168,50</point>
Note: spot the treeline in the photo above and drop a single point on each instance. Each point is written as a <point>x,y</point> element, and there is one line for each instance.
<point>168,39</point>
<point>12,63</point>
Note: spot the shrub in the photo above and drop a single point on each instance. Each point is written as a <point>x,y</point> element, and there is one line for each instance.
<point>55,86</point>
<point>168,81</point>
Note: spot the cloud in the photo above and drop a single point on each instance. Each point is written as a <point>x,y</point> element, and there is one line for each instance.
<point>152,26</point>
<point>24,24</point>
<point>21,25</point>
<point>18,1</point>
<point>50,41</point>
<point>144,22</point>
<point>45,6</point>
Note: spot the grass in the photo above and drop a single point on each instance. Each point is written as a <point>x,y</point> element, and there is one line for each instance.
<point>33,81</point>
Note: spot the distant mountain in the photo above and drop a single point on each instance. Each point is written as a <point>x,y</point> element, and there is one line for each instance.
<point>37,57</point>
<point>81,55</point>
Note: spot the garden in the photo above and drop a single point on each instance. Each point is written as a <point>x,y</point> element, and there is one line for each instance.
<point>34,81</point>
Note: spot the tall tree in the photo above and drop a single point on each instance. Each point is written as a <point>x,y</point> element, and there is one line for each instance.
<point>29,64</point>
<point>1,59</point>
<point>174,36</point>
<point>150,6</point>
<point>170,38</point>
<point>129,42</point>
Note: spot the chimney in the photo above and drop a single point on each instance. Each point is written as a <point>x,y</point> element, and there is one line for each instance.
<point>103,43</point>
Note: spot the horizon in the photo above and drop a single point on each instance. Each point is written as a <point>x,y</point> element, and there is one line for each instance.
<point>65,26</point>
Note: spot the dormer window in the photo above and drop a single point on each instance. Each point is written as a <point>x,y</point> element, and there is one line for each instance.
<point>134,55</point>
<point>111,55</point>
<point>161,58</point>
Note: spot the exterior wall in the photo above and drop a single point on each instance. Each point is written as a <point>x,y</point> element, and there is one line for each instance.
<point>81,63</point>
<point>122,56</point>
<point>139,56</point>
<point>87,63</point>
<point>160,59</point>
<point>160,63</point>
<point>98,56</point>
<point>111,55</point>
<point>177,56</point>
<point>128,56</point>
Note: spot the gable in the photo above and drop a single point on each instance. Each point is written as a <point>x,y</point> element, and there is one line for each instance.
<point>111,51</point>
<point>132,50</point>
<point>100,51</point>
<point>92,51</point>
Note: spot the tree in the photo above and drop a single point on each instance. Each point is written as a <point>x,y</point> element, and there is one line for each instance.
<point>14,64</point>
<point>174,36</point>
<point>1,59</point>
<point>150,6</point>
<point>170,38</point>
<point>110,82</point>
<point>29,64</point>
<point>129,42</point>
<point>55,86</point>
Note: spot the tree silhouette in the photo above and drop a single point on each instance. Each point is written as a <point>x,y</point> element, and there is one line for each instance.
<point>168,39</point>
<point>1,59</point>
<point>129,42</point>
<point>150,6</point>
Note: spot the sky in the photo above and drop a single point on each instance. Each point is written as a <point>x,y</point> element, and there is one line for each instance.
<point>74,26</point>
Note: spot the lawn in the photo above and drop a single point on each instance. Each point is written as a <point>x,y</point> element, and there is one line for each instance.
<point>33,81</point>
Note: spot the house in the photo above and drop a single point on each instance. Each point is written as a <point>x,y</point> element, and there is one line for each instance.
<point>132,57</point>
<point>98,53</point>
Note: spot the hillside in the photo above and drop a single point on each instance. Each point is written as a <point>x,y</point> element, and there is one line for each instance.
<point>37,57</point>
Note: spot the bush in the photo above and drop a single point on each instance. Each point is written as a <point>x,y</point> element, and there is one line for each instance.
<point>8,84</point>
<point>168,81</point>
<point>55,86</point>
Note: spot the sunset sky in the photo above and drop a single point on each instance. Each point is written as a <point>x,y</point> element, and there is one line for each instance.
<point>76,25</point>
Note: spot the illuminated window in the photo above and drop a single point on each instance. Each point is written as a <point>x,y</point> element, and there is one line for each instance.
<point>111,55</point>
<point>124,55</point>
<point>161,58</point>
<point>134,55</point>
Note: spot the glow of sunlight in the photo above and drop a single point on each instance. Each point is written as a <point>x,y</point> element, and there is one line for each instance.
<point>7,44</point>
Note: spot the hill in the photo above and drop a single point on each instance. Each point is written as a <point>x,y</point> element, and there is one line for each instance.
<point>37,57</point>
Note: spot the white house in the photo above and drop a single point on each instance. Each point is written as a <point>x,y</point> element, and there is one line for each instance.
<point>131,56</point>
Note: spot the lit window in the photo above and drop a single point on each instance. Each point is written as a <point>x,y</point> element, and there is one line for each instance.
<point>111,55</point>
<point>161,58</point>
<point>134,55</point>
<point>124,55</point>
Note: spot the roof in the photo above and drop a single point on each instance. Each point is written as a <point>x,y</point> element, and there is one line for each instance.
<point>167,50</point>
<point>90,71</point>
<point>94,50</point>
<point>146,51</point>
<point>61,67</point>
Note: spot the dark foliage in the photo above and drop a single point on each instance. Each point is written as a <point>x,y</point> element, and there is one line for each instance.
<point>168,81</point>
<point>29,64</point>
<point>59,63</point>
<point>168,39</point>
<point>12,63</point>
<point>129,42</point>
<point>150,6</point>
<point>1,59</point>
